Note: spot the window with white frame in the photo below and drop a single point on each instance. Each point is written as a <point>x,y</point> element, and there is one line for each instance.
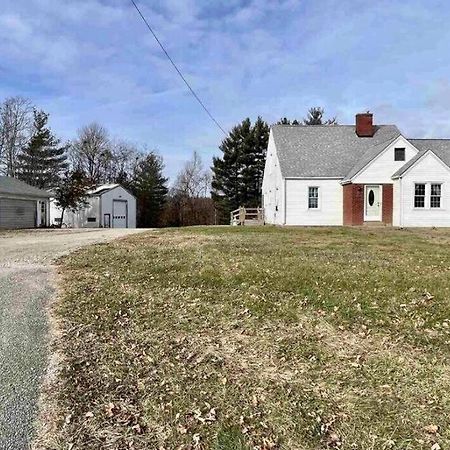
<point>419,195</point>
<point>435,196</point>
<point>313,197</point>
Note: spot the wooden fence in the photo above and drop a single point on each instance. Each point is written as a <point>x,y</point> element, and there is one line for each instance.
<point>247,216</point>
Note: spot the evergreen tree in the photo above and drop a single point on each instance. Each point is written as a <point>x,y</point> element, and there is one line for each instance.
<point>237,175</point>
<point>286,121</point>
<point>150,188</point>
<point>43,159</point>
<point>253,160</point>
<point>315,117</point>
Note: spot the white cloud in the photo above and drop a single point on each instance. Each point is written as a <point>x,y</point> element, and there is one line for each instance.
<point>12,26</point>
<point>95,60</point>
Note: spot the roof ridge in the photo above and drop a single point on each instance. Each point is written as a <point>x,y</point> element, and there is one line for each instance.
<point>328,126</point>
<point>428,139</point>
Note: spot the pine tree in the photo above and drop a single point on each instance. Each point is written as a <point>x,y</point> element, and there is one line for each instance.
<point>42,161</point>
<point>253,161</point>
<point>150,188</point>
<point>315,117</point>
<point>237,175</point>
<point>226,187</point>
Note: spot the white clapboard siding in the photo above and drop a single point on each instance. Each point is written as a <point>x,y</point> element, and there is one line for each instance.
<point>428,170</point>
<point>381,169</point>
<point>396,207</point>
<point>273,187</point>
<point>330,211</point>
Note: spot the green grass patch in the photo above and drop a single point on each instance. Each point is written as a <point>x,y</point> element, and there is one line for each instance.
<point>256,338</point>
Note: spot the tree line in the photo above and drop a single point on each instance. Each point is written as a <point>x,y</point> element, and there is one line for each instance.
<point>30,151</point>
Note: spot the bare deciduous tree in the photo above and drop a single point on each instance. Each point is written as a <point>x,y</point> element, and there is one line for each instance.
<point>91,153</point>
<point>125,158</point>
<point>193,181</point>
<point>15,125</point>
<point>189,202</point>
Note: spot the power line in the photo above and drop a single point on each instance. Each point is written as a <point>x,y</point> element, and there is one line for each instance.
<point>176,68</point>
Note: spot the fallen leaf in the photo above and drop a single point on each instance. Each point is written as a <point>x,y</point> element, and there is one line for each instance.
<point>196,439</point>
<point>432,429</point>
<point>110,409</point>
<point>333,440</point>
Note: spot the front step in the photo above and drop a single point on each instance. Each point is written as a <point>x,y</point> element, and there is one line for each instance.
<point>376,224</point>
<point>254,222</point>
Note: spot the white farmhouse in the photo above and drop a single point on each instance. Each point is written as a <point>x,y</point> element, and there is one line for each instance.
<point>108,206</point>
<point>355,174</point>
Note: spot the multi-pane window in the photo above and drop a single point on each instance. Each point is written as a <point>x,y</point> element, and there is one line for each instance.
<point>419,195</point>
<point>435,196</point>
<point>399,154</point>
<point>313,197</point>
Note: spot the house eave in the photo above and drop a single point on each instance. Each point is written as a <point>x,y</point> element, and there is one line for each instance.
<point>313,178</point>
<point>27,196</point>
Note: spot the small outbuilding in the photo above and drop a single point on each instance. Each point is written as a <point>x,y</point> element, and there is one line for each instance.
<point>107,206</point>
<point>22,205</point>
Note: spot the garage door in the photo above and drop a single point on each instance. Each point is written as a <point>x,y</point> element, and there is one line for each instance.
<point>17,213</point>
<point>120,214</point>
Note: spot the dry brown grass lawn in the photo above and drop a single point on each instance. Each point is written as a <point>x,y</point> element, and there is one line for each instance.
<point>256,338</point>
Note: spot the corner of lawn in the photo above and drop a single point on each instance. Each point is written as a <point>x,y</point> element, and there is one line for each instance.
<point>256,338</point>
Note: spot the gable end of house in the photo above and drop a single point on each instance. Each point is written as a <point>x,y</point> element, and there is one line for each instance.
<point>345,175</point>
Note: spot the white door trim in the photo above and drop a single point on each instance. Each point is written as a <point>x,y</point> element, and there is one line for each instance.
<point>377,218</point>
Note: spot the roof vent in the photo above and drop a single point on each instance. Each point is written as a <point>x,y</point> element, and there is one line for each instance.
<point>364,125</point>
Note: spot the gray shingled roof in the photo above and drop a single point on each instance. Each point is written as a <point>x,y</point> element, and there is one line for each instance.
<point>410,163</point>
<point>440,147</point>
<point>327,151</point>
<point>371,153</point>
<point>13,186</point>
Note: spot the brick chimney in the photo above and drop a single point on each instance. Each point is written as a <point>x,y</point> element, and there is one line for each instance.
<point>364,125</point>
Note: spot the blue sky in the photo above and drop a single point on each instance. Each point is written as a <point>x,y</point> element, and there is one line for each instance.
<point>93,60</point>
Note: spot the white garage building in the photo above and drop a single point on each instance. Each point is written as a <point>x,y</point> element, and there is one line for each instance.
<point>22,205</point>
<point>108,206</point>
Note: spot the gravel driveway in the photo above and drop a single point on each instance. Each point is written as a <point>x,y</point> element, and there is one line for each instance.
<point>26,276</point>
